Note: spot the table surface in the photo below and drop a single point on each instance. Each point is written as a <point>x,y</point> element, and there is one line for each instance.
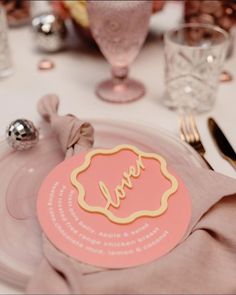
<point>79,69</point>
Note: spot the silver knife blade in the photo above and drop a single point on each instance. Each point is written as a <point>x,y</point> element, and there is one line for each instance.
<point>222,143</point>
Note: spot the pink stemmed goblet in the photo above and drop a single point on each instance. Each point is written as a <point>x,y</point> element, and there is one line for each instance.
<point>120,28</point>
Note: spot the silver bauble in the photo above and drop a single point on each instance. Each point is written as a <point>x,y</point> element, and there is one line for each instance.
<point>50,32</point>
<point>21,134</point>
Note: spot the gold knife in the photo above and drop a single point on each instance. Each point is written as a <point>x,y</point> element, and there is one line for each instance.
<point>222,143</point>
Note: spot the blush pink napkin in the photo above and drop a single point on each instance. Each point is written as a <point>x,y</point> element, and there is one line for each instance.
<point>73,134</point>
<point>204,261</point>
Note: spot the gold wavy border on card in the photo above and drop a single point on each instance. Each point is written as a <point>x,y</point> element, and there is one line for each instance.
<point>144,213</point>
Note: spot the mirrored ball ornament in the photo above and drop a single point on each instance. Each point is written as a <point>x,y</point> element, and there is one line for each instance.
<point>21,134</point>
<point>49,31</point>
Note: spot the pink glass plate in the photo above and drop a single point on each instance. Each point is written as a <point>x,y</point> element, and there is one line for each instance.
<point>22,173</point>
<point>20,237</point>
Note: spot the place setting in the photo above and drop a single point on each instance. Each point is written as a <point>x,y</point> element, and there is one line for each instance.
<point>113,204</point>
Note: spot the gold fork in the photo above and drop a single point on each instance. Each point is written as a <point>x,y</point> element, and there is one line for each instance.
<point>190,134</point>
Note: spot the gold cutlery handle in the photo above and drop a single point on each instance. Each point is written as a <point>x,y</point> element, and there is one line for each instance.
<point>208,164</point>
<point>232,162</point>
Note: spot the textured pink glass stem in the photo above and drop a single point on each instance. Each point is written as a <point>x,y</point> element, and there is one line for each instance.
<point>120,73</point>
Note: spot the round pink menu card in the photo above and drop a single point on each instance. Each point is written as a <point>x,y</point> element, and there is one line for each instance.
<point>114,208</point>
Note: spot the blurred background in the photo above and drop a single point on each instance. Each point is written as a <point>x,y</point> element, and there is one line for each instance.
<point>74,13</point>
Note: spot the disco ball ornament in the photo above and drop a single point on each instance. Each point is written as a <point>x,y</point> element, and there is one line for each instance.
<point>50,32</point>
<point>21,134</point>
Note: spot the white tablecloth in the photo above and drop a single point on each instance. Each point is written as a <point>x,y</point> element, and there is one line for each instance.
<point>74,78</point>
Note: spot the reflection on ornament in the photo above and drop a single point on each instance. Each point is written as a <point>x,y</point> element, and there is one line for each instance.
<point>50,32</point>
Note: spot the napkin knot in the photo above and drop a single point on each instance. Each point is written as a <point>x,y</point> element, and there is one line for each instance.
<point>73,134</point>
<point>48,106</point>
